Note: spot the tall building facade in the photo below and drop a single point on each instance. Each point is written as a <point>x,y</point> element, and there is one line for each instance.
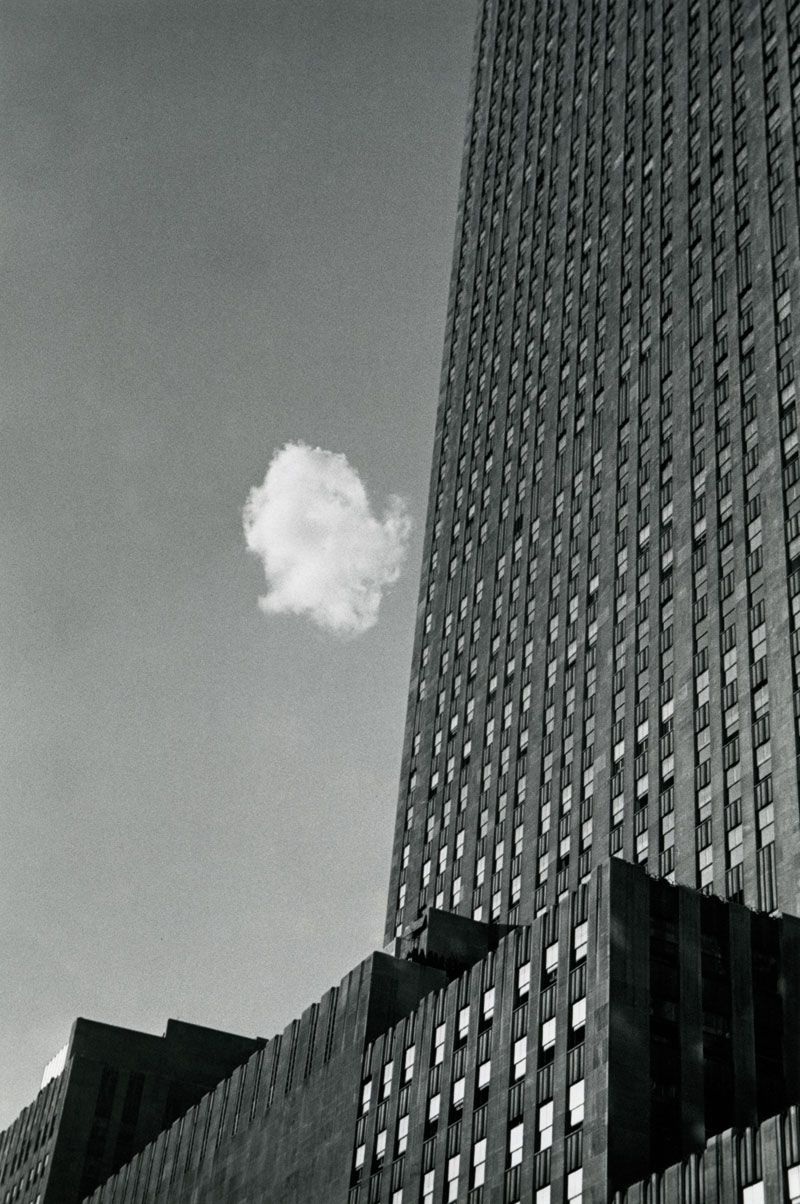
<point>605,661</point>
<point>108,1094</point>
<point>590,989</point>
<point>561,1062</point>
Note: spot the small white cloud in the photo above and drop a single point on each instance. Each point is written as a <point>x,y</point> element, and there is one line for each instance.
<point>325,554</point>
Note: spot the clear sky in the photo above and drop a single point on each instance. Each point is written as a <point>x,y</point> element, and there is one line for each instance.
<point>226,225</point>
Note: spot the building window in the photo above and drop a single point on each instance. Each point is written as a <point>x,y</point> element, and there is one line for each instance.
<point>515,1145</point>
<point>463,1023</point>
<point>576,1096</point>
<point>545,1125</point>
<point>575,1186</point>
<point>754,1194</point>
<point>479,1163</point>
<point>520,1054</point>
<point>579,1013</point>
<point>438,1044</point>
<point>705,866</point>
<point>793,1184</point>
<point>452,1178</point>
<point>402,1135</point>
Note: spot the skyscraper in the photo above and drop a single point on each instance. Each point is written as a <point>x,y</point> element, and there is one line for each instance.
<point>602,723</point>
<point>605,660</point>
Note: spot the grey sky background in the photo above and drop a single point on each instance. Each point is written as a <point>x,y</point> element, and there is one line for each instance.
<point>226,224</point>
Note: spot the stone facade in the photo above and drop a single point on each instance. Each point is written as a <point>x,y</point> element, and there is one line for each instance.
<point>614,1035</point>
<point>607,648</point>
<point>117,1091</point>
<point>756,1165</point>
